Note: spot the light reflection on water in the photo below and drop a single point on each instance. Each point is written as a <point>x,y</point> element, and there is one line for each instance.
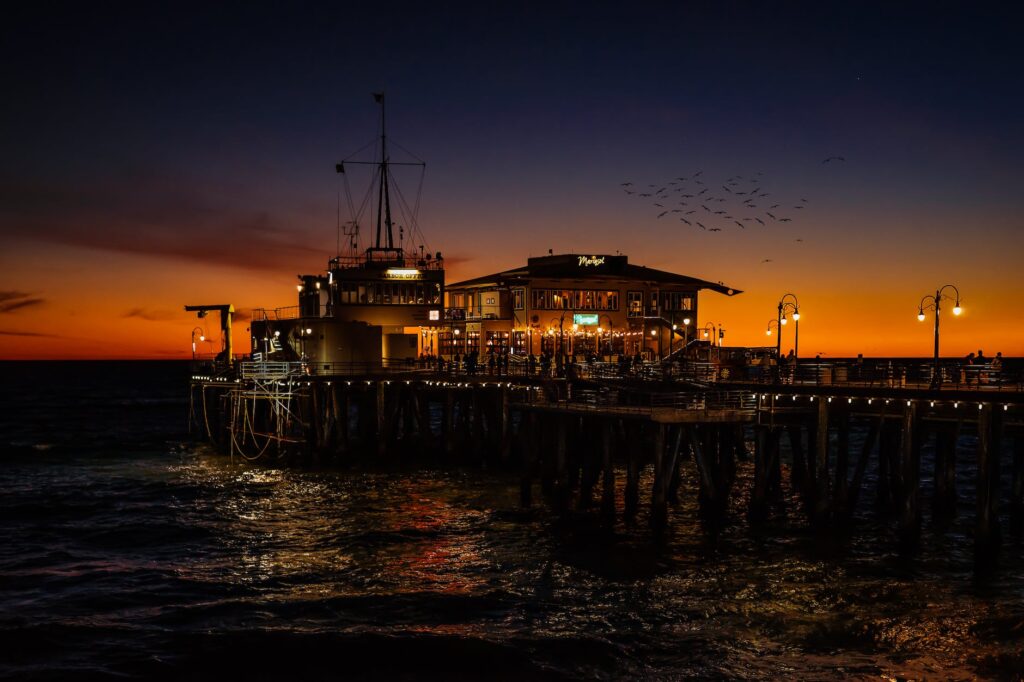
<point>123,560</point>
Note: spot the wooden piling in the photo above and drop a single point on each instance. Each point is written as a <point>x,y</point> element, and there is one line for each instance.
<point>910,475</point>
<point>659,504</point>
<point>608,471</point>
<point>945,496</point>
<point>821,504</point>
<point>632,494</point>
<point>986,534</point>
<point>1017,486</point>
<point>862,464</point>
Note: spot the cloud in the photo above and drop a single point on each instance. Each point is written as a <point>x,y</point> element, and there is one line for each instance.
<point>12,332</point>
<point>159,217</point>
<point>11,301</point>
<point>151,315</point>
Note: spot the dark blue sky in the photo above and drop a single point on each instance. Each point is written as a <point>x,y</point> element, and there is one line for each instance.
<point>191,134</point>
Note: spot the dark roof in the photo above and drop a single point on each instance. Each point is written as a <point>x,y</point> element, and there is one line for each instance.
<point>579,266</point>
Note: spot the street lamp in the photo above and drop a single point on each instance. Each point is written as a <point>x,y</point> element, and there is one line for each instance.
<point>788,306</point>
<point>768,331</point>
<point>936,305</point>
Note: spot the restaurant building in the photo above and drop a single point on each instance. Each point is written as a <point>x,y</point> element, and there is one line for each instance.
<point>574,304</point>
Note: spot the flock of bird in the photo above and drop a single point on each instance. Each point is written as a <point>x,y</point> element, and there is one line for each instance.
<point>738,202</point>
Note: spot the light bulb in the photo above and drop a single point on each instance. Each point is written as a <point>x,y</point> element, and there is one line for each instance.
<point>920,316</point>
<point>796,316</point>
<point>957,309</point>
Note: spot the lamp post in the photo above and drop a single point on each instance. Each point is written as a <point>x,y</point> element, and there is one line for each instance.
<point>788,306</point>
<point>768,331</point>
<point>202,337</point>
<point>936,305</point>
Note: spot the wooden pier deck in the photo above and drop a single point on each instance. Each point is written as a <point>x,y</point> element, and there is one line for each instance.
<point>569,435</point>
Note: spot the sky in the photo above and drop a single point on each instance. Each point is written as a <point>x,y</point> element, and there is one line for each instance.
<point>155,155</point>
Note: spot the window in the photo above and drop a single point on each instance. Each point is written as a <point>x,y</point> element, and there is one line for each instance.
<point>634,304</point>
<point>518,299</point>
<point>572,299</point>
<point>519,343</point>
<point>497,342</point>
<point>489,300</point>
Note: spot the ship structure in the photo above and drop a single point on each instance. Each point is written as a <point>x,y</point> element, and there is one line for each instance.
<point>371,307</point>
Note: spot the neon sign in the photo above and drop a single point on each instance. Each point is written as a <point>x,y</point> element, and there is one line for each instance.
<point>590,261</point>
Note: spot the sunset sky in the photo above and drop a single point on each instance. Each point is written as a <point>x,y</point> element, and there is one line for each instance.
<point>157,157</point>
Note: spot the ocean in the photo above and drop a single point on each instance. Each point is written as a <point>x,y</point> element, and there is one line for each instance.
<point>127,551</point>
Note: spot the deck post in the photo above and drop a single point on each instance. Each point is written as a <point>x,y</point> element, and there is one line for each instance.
<point>841,488</point>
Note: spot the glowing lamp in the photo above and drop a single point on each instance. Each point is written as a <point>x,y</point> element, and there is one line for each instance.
<point>686,321</point>
<point>768,332</point>
<point>796,315</point>
<point>957,309</point>
<point>783,321</point>
<point>920,316</point>
<point>654,332</point>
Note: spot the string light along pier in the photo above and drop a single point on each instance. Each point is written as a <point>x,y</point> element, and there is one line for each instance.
<point>587,375</point>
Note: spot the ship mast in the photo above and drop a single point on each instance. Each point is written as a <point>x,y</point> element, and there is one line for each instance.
<point>383,195</point>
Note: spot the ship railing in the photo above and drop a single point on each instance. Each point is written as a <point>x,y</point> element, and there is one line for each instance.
<point>271,371</point>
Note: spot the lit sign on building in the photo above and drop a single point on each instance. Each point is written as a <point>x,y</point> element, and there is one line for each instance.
<point>402,273</point>
<point>434,315</point>
<point>585,318</point>
<point>590,261</point>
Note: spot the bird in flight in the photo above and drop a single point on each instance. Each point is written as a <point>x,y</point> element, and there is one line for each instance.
<point>687,221</point>
<point>693,211</point>
<point>699,224</point>
<point>798,240</point>
<point>834,158</point>
<point>774,205</point>
<point>703,190</point>
<point>759,220</point>
<point>626,184</point>
<point>740,224</point>
<point>785,220</point>
<point>767,260</point>
<point>714,229</point>
<point>642,194</point>
<point>719,212</point>
<point>629,191</point>
<point>662,213</point>
<point>659,206</point>
<point>798,207</point>
<point>770,215</point>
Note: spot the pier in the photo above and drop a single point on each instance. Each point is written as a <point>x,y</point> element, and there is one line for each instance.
<point>569,438</point>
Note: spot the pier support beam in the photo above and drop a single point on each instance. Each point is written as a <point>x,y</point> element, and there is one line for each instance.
<point>1017,486</point>
<point>910,475</point>
<point>659,504</point>
<point>608,471</point>
<point>986,534</point>
<point>820,507</point>
<point>945,498</point>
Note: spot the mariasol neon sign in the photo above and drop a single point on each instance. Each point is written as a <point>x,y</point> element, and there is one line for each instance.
<point>590,261</point>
